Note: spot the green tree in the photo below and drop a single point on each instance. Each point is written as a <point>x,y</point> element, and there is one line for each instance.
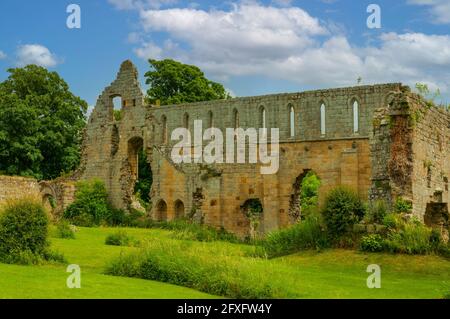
<point>172,82</point>
<point>40,124</point>
<point>145,178</point>
<point>309,196</point>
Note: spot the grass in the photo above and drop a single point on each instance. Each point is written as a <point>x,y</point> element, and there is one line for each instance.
<point>333,273</point>
<point>91,254</point>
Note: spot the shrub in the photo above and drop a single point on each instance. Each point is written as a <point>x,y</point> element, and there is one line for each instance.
<point>402,206</point>
<point>342,209</point>
<point>24,228</point>
<point>65,230</point>
<point>23,233</point>
<point>90,206</point>
<point>377,212</point>
<point>391,221</point>
<point>175,263</point>
<point>120,238</point>
<point>410,238</point>
<point>193,231</point>
<point>372,243</point>
<point>307,234</point>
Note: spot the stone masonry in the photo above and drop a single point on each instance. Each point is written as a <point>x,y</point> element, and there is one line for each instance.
<point>401,148</point>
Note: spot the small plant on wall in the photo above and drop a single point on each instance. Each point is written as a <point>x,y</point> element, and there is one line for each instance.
<point>253,210</point>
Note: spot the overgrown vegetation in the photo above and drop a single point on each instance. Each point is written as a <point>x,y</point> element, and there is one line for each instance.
<point>23,233</point>
<point>306,234</point>
<point>144,180</point>
<point>176,263</point>
<point>90,207</point>
<point>187,230</point>
<point>309,195</point>
<point>120,238</point>
<point>342,209</point>
<point>65,230</point>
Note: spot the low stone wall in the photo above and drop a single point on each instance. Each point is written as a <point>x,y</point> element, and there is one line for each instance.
<point>15,187</point>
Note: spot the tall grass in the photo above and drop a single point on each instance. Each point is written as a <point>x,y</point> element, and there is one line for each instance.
<point>199,268</point>
<point>307,234</point>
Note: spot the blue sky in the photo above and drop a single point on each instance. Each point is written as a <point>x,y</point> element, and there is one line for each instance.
<point>252,47</point>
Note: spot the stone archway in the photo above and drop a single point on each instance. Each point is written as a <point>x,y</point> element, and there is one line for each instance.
<point>253,210</point>
<point>161,210</point>
<point>179,209</point>
<point>296,202</point>
<point>49,197</point>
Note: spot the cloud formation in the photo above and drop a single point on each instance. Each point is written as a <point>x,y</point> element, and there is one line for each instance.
<point>439,9</point>
<point>2,55</point>
<point>288,43</point>
<point>36,54</point>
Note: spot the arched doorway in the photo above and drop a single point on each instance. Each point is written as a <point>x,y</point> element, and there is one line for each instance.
<point>161,210</point>
<point>179,209</point>
<point>141,172</point>
<point>253,210</point>
<point>305,195</point>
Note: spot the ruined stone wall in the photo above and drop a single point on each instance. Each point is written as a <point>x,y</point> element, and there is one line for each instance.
<point>56,195</point>
<point>215,193</point>
<point>431,152</point>
<point>410,151</point>
<point>15,187</point>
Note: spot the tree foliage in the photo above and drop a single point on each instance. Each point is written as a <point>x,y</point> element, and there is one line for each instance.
<point>40,124</point>
<point>172,82</point>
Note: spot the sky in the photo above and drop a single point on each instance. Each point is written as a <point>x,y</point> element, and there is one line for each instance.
<point>251,47</point>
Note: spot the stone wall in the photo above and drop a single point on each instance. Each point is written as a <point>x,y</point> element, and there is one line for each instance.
<point>215,193</point>
<point>14,187</point>
<point>55,195</point>
<point>410,152</point>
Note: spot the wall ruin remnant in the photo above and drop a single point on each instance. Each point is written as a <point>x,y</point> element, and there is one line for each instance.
<point>382,156</point>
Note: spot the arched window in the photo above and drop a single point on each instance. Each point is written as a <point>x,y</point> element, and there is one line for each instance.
<point>186,121</point>
<point>118,103</point>
<point>164,129</point>
<point>291,121</point>
<point>210,119</point>
<point>179,209</point>
<point>235,118</point>
<point>263,117</point>
<point>355,117</point>
<point>322,119</point>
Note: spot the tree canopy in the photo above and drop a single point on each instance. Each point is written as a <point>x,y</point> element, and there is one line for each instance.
<point>41,124</point>
<point>172,82</point>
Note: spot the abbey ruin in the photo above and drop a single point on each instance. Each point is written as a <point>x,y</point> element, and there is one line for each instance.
<point>381,140</point>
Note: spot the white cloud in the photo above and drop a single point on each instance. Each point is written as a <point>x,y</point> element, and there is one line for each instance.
<point>36,54</point>
<point>439,9</point>
<point>2,55</point>
<point>140,4</point>
<point>289,44</point>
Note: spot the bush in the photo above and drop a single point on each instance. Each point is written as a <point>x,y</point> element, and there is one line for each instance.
<point>342,209</point>
<point>391,221</point>
<point>372,243</point>
<point>120,238</point>
<point>307,234</point>
<point>24,228</point>
<point>187,230</point>
<point>65,230</point>
<point>377,212</point>
<point>402,206</point>
<point>23,233</point>
<point>90,207</point>
<point>175,263</point>
<point>410,238</point>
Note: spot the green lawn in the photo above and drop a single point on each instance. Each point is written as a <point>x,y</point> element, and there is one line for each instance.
<point>328,274</point>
